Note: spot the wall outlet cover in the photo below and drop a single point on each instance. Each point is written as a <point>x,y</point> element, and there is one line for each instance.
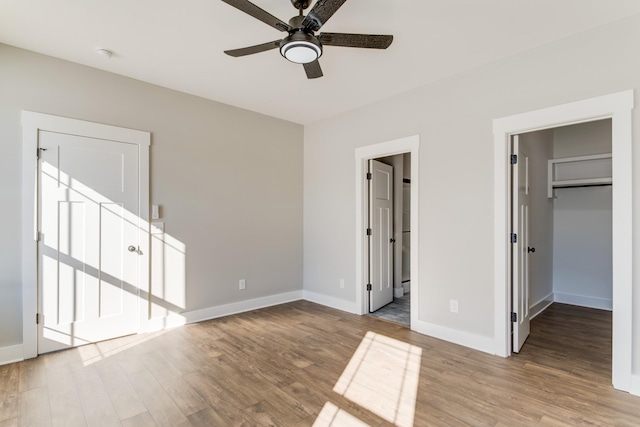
<point>453,305</point>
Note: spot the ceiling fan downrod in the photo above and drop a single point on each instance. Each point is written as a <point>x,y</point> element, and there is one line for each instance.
<point>300,4</point>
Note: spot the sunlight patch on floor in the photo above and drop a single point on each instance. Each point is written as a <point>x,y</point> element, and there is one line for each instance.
<point>382,377</point>
<point>92,353</point>
<point>332,416</point>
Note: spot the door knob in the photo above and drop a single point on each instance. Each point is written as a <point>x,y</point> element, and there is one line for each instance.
<point>531,250</point>
<point>131,248</point>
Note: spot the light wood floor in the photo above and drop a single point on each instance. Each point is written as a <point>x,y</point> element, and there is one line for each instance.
<point>280,366</point>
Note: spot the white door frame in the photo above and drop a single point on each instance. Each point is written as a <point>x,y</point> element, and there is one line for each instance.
<point>32,123</point>
<point>618,107</point>
<point>411,145</point>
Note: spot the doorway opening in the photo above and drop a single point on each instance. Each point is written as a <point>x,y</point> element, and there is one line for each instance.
<point>617,107</point>
<point>389,245</point>
<point>562,254</point>
<point>389,229</point>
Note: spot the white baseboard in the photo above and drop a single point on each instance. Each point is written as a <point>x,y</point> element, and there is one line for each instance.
<point>166,322</point>
<point>477,342</point>
<point>540,306</point>
<point>466,339</point>
<point>407,287</point>
<point>337,303</point>
<point>240,307</point>
<point>635,385</point>
<point>591,302</point>
<point>11,354</point>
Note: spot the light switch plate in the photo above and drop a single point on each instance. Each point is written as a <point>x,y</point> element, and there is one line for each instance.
<point>155,211</point>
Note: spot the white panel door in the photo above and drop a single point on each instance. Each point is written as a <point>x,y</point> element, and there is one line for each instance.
<point>88,250</point>
<point>520,249</point>
<point>381,240</point>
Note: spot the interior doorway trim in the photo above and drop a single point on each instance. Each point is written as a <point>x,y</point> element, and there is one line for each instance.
<point>32,124</point>
<point>411,145</point>
<point>618,107</point>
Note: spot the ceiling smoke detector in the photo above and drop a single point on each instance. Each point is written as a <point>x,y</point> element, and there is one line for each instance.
<point>105,53</point>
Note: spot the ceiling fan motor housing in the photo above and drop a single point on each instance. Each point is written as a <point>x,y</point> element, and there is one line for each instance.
<point>300,47</point>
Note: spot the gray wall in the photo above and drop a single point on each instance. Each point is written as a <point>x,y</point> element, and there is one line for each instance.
<point>229,180</point>
<point>539,146</point>
<point>454,120</point>
<point>582,261</point>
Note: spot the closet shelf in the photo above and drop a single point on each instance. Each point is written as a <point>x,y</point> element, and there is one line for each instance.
<point>580,171</point>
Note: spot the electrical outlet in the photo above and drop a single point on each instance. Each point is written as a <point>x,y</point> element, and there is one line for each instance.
<point>242,285</point>
<point>341,283</point>
<point>453,305</point>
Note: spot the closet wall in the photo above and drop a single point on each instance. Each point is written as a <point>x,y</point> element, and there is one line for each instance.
<point>571,232</point>
<point>539,147</point>
<point>582,221</point>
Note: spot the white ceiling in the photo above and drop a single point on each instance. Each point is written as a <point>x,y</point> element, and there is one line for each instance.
<point>179,44</point>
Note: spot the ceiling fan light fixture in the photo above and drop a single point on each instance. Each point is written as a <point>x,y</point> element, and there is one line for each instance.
<point>300,48</point>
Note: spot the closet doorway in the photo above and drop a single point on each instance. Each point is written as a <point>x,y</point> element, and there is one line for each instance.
<point>563,250</point>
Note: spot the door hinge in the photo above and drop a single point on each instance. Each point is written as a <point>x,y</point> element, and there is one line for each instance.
<point>369,287</point>
<point>369,232</point>
<point>369,176</point>
<point>38,150</point>
<point>514,159</point>
<point>514,238</point>
<point>514,317</point>
<point>37,318</point>
<point>38,236</point>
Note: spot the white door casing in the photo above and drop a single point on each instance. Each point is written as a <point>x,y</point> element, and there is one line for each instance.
<point>381,238</point>
<point>618,107</point>
<point>410,144</point>
<point>88,253</point>
<point>33,125</point>
<point>520,248</point>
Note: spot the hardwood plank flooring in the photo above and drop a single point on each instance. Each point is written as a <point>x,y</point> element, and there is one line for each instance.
<point>302,364</point>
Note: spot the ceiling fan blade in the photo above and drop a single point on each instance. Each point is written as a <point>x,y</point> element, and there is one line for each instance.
<point>253,49</point>
<point>313,69</point>
<point>253,10</point>
<point>368,41</point>
<point>320,13</point>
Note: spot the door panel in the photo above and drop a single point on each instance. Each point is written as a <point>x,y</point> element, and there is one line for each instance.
<point>381,246</point>
<point>88,217</point>
<point>520,254</point>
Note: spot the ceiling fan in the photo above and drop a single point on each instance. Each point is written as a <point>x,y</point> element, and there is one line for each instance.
<point>302,45</point>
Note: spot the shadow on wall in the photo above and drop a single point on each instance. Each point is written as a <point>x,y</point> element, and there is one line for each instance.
<point>89,276</point>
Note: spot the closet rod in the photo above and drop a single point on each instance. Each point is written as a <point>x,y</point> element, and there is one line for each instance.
<point>582,186</point>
